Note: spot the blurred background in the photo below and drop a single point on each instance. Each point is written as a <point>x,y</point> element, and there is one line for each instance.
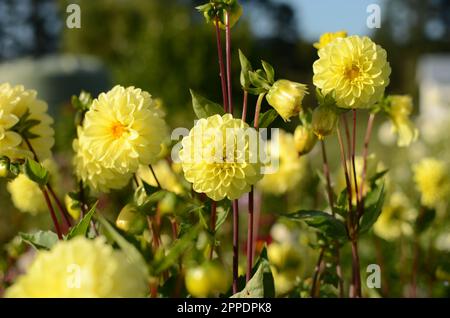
<point>165,47</point>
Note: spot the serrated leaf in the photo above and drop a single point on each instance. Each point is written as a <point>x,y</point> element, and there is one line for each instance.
<point>372,212</point>
<point>41,240</point>
<point>82,227</point>
<point>203,107</point>
<point>36,172</point>
<point>270,72</point>
<point>178,247</point>
<point>321,221</point>
<point>131,252</point>
<point>246,67</point>
<point>266,118</point>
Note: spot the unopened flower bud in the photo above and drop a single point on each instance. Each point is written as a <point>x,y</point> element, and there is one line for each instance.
<point>4,167</point>
<point>305,139</point>
<point>234,13</point>
<point>130,220</point>
<point>73,207</point>
<point>286,97</point>
<point>324,120</point>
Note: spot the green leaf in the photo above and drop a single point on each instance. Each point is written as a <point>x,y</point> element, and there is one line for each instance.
<point>372,211</point>
<point>82,227</point>
<point>222,214</point>
<point>256,90</point>
<point>266,118</point>
<point>321,221</point>
<point>178,247</point>
<point>36,172</point>
<point>424,220</point>
<point>255,287</point>
<point>131,252</point>
<point>203,107</point>
<point>376,177</point>
<point>41,240</point>
<point>145,202</point>
<point>259,81</point>
<point>245,68</point>
<point>270,72</point>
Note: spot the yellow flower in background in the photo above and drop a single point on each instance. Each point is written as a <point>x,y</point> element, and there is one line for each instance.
<point>92,171</point>
<point>328,37</point>
<point>286,97</point>
<point>396,218</point>
<point>400,108</point>
<point>80,268</point>
<point>354,70</point>
<point>26,195</point>
<point>304,139</point>
<point>432,181</point>
<point>291,170</point>
<point>218,159</point>
<point>16,102</point>
<point>123,129</point>
<point>165,174</point>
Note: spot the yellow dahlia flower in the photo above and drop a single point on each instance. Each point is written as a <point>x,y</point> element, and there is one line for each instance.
<point>291,169</point>
<point>286,97</point>
<point>15,102</point>
<point>124,128</point>
<point>92,171</point>
<point>80,268</point>
<point>354,70</point>
<point>329,37</point>
<point>26,195</point>
<point>165,175</point>
<point>400,108</point>
<point>219,159</point>
<point>432,181</point>
<point>396,218</point>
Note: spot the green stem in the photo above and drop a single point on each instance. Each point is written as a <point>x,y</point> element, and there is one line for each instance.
<point>213,227</point>
<point>154,176</point>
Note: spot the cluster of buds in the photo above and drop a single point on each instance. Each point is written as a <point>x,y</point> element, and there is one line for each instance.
<point>284,96</point>
<point>223,12</point>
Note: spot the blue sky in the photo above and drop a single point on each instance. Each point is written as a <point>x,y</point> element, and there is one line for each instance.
<point>315,17</point>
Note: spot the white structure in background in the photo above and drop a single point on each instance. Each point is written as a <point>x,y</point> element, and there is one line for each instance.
<point>433,76</point>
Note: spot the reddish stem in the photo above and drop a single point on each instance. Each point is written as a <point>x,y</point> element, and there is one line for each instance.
<point>235,244</point>
<point>221,66</point>
<point>250,234</point>
<point>244,106</point>
<point>52,213</point>
<point>228,57</point>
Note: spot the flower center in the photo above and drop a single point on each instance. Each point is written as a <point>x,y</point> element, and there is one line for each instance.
<point>352,72</point>
<point>117,130</point>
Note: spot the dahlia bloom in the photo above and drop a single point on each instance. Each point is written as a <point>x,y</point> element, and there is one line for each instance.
<point>124,128</point>
<point>26,195</point>
<point>80,268</point>
<point>396,218</point>
<point>400,108</point>
<point>218,158</point>
<point>432,181</point>
<point>354,70</point>
<point>15,103</point>
<point>329,37</point>
<point>291,169</point>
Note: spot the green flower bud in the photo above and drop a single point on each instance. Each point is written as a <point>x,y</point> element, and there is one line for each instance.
<point>130,220</point>
<point>4,167</point>
<point>324,120</point>
<point>305,139</point>
<point>73,207</point>
<point>286,97</point>
<point>234,13</point>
